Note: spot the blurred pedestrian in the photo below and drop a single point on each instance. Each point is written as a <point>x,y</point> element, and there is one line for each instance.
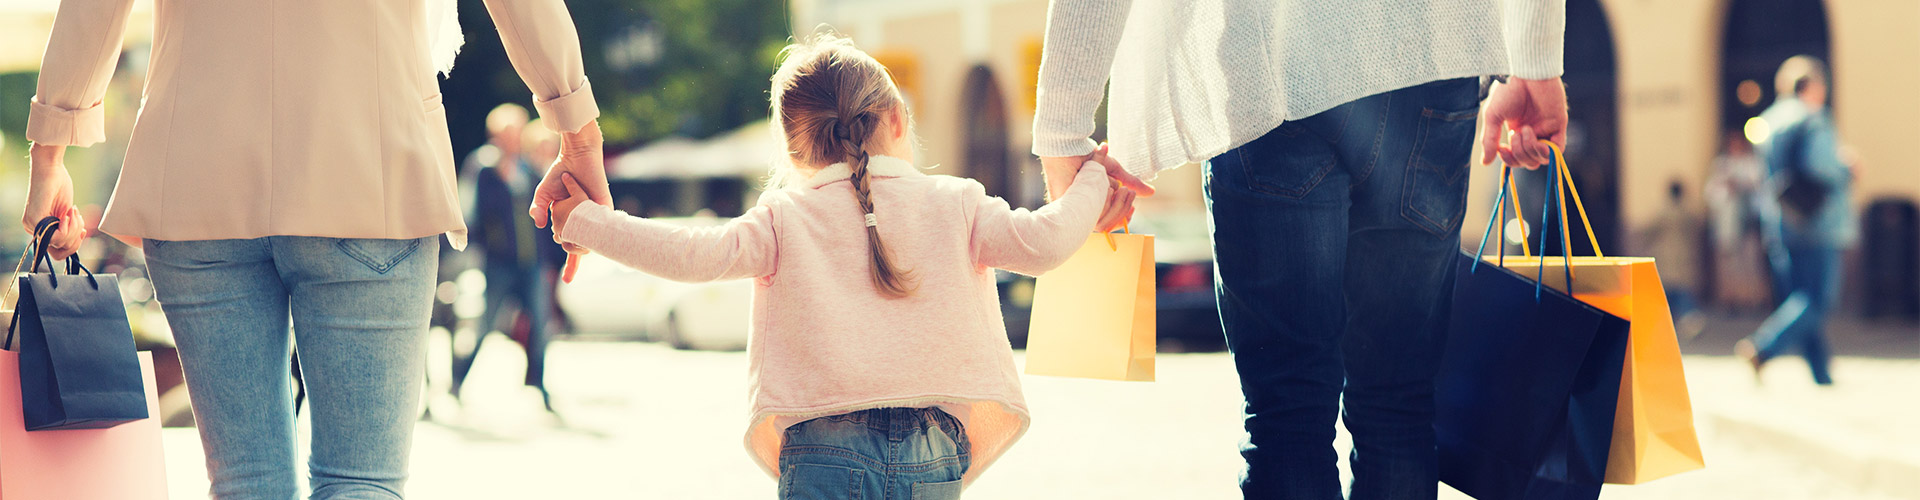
<point>1738,197</point>
<point>511,248</point>
<point>879,361</point>
<point>1814,180</point>
<point>1336,140</point>
<point>284,171</point>
<point>1673,239</point>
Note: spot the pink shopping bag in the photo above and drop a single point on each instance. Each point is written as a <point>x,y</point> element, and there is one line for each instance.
<point>124,462</point>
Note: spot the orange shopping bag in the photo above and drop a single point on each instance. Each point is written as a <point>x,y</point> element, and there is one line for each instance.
<point>1093,317</point>
<point>1653,431</point>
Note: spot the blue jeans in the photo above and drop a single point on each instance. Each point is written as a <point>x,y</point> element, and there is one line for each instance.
<point>358,310</point>
<point>877,454</point>
<point>532,289</point>
<point>1810,279</point>
<point>1334,245</point>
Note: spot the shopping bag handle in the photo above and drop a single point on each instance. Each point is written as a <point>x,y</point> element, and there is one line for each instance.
<point>43,232</point>
<point>1109,234</point>
<point>1555,191</point>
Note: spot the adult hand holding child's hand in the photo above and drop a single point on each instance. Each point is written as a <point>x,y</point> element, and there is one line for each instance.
<point>581,157</point>
<point>560,211</point>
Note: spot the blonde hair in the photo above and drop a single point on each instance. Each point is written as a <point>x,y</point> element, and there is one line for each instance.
<point>828,99</point>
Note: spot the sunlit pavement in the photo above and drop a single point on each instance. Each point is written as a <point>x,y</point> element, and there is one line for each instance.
<point>645,421</point>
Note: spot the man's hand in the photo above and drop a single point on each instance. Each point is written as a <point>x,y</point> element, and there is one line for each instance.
<point>50,194</point>
<point>1531,110</point>
<point>1060,171</point>
<point>581,157</point>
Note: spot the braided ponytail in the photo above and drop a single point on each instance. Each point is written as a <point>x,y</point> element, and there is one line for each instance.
<point>828,99</point>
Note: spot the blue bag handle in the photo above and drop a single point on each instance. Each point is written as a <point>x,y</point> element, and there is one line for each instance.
<point>1554,190</point>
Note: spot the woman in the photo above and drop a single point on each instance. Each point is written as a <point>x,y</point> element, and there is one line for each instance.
<point>291,164</point>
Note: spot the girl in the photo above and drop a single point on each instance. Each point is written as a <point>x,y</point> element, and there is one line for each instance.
<point>879,361</point>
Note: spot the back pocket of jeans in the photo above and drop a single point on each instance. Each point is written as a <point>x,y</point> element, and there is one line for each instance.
<point>379,255</point>
<point>1287,162</point>
<point>945,490</point>
<point>822,482</point>
<point>1435,192</point>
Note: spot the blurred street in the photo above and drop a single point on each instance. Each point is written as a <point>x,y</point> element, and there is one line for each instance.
<point>646,421</point>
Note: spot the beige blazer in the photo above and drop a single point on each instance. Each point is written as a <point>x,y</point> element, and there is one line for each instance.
<point>289,117</point>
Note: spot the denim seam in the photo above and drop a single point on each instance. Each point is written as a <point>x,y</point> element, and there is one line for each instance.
<point>1246,170</point>
<point>370,262</point>
<point>815,449</point>
<point>1379,141</point>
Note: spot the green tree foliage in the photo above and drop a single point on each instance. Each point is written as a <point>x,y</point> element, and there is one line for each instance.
<point>658,67</point>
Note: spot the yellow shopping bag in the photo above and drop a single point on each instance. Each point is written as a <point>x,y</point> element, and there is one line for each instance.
<point>1653,431</point>
<point>1093,317</point>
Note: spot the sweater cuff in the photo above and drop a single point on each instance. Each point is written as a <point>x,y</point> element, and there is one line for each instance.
<point>56,126</point>
<point>584,224</point>
<point>1536,38</point>
<point>566,114</point>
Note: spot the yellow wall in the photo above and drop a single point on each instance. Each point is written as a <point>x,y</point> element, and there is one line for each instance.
<point>1668,66</point>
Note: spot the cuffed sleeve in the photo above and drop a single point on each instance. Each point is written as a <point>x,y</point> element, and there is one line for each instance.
<point>569,112</point>
<point>743,248</point>
<point>66,108</point>
<point>57,126</point>
<point>1536,38</point>
<point>545,50</point>
<point>1034,242</point>
<point>1075,61</point>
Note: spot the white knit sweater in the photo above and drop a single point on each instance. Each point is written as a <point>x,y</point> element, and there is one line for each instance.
<point>1192,79</point>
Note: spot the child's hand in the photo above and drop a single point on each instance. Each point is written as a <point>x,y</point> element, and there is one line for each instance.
<point>1122,187</point>
<point>563,209</point>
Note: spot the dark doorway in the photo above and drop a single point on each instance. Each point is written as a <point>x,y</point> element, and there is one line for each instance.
<point>983,131</point>
<point>1761,34</point>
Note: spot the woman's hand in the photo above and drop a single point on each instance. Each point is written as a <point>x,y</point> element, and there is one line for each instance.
<point>581,157</point>
<point>1120,194</point>
<point>560,212</point>
<point>50,194</point>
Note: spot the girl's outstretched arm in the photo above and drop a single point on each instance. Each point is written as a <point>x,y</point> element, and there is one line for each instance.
<point>1034,242</point>
<point>742,248</point>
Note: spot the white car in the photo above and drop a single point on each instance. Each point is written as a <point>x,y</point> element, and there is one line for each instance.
<point>607,298</point>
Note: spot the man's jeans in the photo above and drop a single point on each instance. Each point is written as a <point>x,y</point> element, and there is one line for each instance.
<point>877,454</point>
<point>1334,245</point>
<point>358,309</point>
<point>1809,278</point>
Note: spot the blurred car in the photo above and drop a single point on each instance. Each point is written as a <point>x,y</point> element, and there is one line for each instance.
<point>1183,276</point>
<point>607,299</point>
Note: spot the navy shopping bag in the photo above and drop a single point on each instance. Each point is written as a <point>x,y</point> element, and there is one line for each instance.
<point>1528,383</point>
<point>78,367</point>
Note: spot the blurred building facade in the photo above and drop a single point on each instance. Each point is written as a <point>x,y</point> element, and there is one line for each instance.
<point>1654,87</point>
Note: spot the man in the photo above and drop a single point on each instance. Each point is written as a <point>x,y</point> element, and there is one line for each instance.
<point>511,247</point>
<point>1812,224</point>
<point>1336,137</point>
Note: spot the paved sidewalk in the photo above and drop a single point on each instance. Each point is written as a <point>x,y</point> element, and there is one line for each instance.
<point>647,422</point>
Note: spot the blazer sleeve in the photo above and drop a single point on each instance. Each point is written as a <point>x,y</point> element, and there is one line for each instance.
<point>1034,242</point>
<point>545,50</point>
<point>743,248</point>
<point>66,109</point>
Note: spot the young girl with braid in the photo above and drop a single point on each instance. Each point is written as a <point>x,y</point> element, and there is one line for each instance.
<point>879,361</point>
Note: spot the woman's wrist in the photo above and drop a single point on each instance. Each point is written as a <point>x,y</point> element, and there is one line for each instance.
<point>46,159</point>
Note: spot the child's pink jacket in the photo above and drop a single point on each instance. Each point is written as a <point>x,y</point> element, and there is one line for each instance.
<point>823,339</point>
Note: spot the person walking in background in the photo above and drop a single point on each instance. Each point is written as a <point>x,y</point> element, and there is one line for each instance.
<point>1336,137</point>
<point>880,363</point>
<point>1814,179</point>
<point>287,171</point>
<point>1737,195</point>
<point>514,253</point>
<point>1673,239</point>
